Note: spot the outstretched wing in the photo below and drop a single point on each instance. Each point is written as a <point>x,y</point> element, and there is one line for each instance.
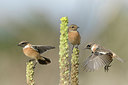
<point>41,49</point>
<point>96,60</point>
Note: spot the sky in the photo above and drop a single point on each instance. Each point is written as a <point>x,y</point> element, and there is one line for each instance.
<point>89,15</point>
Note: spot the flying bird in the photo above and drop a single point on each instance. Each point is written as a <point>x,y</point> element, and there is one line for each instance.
<point>100,57</point>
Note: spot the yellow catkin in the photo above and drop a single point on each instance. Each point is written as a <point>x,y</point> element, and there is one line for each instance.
<point>63,52</point>
<point>74,67</point>
<point>30,73</point>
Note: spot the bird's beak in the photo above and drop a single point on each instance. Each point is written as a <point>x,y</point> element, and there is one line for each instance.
<point>78,27</point>
<point>85,48</point>
<point>18,45</point>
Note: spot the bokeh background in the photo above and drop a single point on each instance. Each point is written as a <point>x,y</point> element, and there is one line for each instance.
<point>37,21</point>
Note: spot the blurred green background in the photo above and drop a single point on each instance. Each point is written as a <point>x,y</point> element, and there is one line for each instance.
<point>37,21</point>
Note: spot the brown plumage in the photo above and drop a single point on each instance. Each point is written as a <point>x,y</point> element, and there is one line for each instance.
<point>100,57</point>
<point>73,35</point>
<point>35,51</point>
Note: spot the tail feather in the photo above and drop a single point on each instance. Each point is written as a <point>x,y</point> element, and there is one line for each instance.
<point>119,59</point>
<point>44,61</point>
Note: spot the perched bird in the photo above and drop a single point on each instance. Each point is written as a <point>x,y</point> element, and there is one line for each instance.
<point>73,35</point>
<point>99,57</point>
<point>34,52</point>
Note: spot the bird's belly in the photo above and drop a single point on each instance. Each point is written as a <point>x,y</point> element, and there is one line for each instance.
<point>31,53</point>
<point>74,38</point>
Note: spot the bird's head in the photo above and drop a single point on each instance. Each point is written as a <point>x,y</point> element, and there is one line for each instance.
<point>73,27</point>
<point>89,45</point>
<point>23,43</point>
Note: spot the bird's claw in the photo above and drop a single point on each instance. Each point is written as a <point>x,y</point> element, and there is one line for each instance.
<point>106,68</point>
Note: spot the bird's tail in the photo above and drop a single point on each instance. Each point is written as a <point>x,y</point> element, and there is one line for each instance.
<point>118,58</point>
<point>44,60</point>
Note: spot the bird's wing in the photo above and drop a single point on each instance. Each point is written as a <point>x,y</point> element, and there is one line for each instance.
<point>109,52</point>
<point>42,48</point>
<point>95,61</point>
<point>102,50</point>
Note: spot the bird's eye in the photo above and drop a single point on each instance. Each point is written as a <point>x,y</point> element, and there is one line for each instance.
<point>72,26</point>
<point>23,43</point>
<point>88,45</point>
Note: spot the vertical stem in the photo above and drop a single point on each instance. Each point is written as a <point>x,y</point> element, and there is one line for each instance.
<point>30,73</point>
<point>74,67</point>
<point>63,53</point>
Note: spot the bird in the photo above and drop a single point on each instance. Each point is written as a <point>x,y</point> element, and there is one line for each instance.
<point>99,57</point>
<point>73,35</point>
<point>34,52</point>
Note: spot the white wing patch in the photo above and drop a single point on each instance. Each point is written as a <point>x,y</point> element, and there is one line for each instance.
<point>103,53</point>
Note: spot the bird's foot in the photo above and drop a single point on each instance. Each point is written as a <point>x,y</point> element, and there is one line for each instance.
<point>31,60</point>
<point>34,65</point>
<point>76,46</point>
<point>106,68</point>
